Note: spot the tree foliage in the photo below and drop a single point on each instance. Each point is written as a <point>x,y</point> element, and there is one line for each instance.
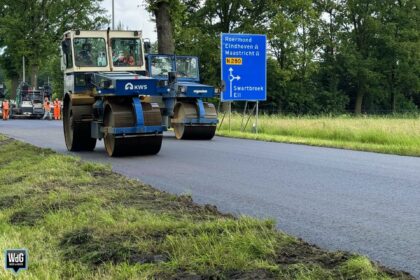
<point>325,56</point>
<point>34,28</point>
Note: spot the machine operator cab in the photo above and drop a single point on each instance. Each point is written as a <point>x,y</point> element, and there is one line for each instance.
<point>187,72</point>
<point>84,53</point>
<point>186,67</point>
<point>101,51</point>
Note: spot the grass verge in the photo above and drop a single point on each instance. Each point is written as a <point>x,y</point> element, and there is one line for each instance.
<point>388,135</point>
<point>79,220</point>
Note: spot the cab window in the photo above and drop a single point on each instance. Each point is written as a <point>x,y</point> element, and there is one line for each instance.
<point>90,52</point>
<point>161,65</point>
<point>126,52</point>
<point>187,67</point>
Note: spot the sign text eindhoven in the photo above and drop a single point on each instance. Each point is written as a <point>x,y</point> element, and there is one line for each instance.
<point>244,68</point>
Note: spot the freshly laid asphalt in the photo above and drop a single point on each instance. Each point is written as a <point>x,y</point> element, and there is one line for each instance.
<point>361,202</point>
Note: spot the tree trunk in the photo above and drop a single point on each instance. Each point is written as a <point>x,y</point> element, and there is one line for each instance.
<point>393,100</point>
<point>392,89</point>
<point>283,58</point>
<point>15,83</point>
<point>359,101</point>
<point>34,76</point>
<point>164,28</point>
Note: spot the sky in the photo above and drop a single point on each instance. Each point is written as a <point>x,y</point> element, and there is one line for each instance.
<point>133,15</point>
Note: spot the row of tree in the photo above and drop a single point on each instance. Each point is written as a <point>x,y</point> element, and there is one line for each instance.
<point>324,55</point>
<point>33,29</point>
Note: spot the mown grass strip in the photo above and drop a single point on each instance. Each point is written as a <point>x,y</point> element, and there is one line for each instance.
<point>399,136</point>
<point>79,220</point>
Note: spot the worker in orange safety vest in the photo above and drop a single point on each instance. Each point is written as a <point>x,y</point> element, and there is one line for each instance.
<point>5,108</point>
<point>47,109</point>
<point>57,109</point>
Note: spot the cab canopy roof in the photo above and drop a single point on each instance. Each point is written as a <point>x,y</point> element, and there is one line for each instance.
<point>102,33</point>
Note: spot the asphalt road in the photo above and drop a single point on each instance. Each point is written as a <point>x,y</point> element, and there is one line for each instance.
<point>356,201</point>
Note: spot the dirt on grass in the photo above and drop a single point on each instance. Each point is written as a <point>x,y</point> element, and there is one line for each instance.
<point>302,252</point>
<point>114,248</point>
<point>81,220</point>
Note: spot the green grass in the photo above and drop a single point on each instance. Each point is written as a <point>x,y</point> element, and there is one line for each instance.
<point>79,220</point>
<point>391,135</point>
<point>360,268</point>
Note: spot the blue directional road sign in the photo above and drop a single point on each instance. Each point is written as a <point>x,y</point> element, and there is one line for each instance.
<point>244,67</point>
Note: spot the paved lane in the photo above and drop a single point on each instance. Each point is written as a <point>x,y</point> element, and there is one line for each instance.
<point>362,202</point>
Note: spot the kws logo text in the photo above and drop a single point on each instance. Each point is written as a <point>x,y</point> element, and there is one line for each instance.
<point>130,86</point>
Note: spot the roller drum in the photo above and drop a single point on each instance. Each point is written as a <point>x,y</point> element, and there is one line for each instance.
<point>184,111</point>
<point>122,115</point>
<point>77,133</point>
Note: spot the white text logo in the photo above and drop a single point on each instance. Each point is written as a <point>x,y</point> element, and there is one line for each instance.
<point>200,91</point>
<point>130,86</point>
